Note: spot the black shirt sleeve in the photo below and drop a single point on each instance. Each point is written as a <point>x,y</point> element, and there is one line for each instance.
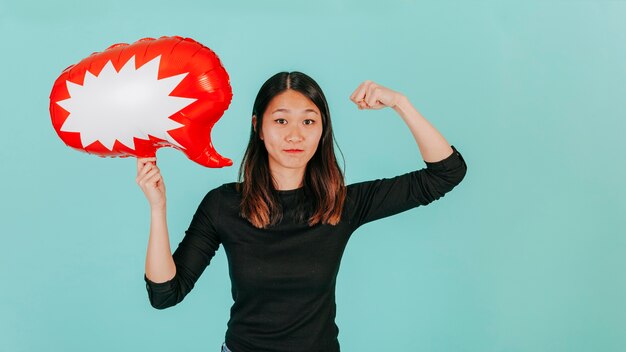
<point>193,255</point>
<point>388,196</point>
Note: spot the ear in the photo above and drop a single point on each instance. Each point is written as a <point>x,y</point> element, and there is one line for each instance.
<point>254,125</point>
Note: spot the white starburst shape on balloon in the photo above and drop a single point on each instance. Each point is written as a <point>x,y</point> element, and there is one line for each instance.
<point>121,105</point>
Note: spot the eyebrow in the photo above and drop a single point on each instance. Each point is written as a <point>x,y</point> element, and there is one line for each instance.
<point>287,110</point>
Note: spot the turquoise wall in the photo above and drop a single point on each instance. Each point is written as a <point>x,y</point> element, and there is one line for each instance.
<point>524,255</point>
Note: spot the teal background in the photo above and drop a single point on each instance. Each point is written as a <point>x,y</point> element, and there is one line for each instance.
<point>526,254</point>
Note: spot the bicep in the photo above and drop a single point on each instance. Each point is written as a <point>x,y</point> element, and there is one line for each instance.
<point>389,196</point>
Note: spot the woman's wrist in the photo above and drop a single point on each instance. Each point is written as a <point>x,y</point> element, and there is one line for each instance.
<point>404,107</point>
<point>157,208</point>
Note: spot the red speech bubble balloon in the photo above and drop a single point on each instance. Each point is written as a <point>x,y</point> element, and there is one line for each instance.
<point>130,100</point>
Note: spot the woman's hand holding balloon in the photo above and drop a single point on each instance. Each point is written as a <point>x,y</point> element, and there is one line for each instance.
<point>151,182</point>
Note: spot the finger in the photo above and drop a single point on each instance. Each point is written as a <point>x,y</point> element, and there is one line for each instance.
<point>143,161</point>
<point>356,92</point>
<point>153,181</point>
<point>146,167</point>
<point>144,180</point>
<point>363,94</point>
<point>359,94</point>
<point>149,164</point>
<point>372,95</point>
<point>156,181</point>
<point>379,98</point>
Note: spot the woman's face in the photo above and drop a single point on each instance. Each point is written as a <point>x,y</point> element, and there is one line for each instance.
<point>290,122</point>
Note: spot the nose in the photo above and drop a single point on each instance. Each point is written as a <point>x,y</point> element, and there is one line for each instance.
<point>295,134</point>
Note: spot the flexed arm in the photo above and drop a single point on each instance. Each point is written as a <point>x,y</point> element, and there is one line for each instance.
<point>433,146</point>
<point>445,166</point>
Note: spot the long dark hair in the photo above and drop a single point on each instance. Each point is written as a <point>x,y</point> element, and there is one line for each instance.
<point>324,189</point>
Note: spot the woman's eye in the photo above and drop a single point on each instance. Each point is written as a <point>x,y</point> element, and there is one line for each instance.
<point>306,122</point>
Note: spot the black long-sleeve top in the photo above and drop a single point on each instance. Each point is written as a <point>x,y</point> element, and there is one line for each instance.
<point>283,278</point>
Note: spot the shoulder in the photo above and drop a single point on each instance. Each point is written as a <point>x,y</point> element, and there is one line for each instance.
<point>228,190</point>
<point>355,190</point>
<point>217,199</point>
<point>226,194</point>
<point>224,188</point>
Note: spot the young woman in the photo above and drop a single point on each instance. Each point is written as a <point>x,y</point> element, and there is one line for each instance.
<point>285,224</point>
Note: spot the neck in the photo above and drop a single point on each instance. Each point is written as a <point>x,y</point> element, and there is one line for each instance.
<point>288,179</point>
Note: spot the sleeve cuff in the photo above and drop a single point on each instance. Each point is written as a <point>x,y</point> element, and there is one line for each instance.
<point>450,162</point>
<point>159,286</point>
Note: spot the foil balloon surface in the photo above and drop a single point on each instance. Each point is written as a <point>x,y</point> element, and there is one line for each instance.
<point>131,99</point>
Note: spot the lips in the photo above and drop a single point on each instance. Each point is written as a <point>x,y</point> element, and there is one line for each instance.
<point>293,150</point>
